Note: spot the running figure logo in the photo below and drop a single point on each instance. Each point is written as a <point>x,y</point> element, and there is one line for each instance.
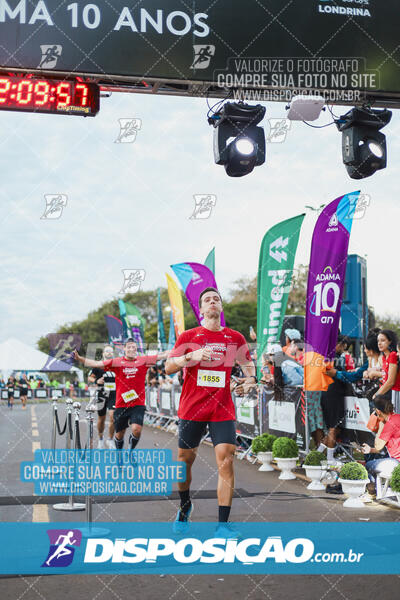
<point>55,204</point>
<point>203,205</point>
<point>61,348</point>
<point>132,280</point>
<point>50,55</point>
<point>62,547</point>
<point>128,129</point>
<point>202,56</point>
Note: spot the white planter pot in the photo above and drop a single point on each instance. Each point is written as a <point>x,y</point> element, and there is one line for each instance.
<point>286,465</point>
<point>354,488</point>
<point>398,496</point>
<point>265,458</point>
<point>315,473</point>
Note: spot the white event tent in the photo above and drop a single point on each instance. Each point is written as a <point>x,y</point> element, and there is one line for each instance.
<point>17,356</point>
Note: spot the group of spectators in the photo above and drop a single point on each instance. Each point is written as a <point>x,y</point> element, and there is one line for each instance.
<point>157,378</point>
<point>380,377</point>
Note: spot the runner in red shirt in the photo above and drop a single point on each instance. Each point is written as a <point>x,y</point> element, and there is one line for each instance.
<point>207,354</point>
<point>130,375</point>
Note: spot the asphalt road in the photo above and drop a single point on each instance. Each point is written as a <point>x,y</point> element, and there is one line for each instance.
<point>258,497</point>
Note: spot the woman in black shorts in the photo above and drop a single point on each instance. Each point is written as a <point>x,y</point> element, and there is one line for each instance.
<point>23,389</point>
<point>11,390</point>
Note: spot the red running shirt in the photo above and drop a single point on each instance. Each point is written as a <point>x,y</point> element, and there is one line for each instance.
<point>390,360</point>
<point>206,393</point>
<point>391,435</point>
<point>130,379</point>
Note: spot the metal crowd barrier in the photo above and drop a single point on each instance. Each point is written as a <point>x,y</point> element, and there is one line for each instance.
<point>47,393</point>
<point>71,430</point>
<point>264,413</point>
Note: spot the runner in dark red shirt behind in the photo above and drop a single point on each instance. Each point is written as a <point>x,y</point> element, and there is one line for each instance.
<point>130,376</point>
<point>207,354</point>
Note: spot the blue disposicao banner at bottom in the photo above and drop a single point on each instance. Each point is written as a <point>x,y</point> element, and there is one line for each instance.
<point>154,548</point>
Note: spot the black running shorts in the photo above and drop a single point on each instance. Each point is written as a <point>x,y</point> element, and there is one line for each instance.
<point>126,416</point>
<point>191,432</point>
<point>109,404</point>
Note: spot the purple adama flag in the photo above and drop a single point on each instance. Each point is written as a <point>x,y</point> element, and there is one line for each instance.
<point>194,278</point>
<point>326,276</point>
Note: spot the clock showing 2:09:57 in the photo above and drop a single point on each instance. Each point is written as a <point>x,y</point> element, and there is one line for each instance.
<point>56,96</point>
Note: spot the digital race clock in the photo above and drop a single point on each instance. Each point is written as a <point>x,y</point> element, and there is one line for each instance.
<point>55,96</point>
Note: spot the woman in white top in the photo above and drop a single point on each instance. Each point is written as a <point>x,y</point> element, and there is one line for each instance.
<point>374,356</point>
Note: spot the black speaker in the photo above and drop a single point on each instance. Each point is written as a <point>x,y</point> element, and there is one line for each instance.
<point>292,322</point>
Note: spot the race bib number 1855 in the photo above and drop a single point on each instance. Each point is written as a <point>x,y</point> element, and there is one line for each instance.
<point>129,396</point>
<point>211,378</point>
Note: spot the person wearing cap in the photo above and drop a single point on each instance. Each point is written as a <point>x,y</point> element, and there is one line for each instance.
<point>291,335</point>
<point>292,372</point>
<point>130,398</point>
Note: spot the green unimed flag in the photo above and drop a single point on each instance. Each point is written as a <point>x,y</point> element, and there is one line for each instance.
<point>210,261</point>
<point>275,271</point>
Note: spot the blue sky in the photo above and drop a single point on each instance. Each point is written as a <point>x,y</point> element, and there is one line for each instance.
<point>129,205</point>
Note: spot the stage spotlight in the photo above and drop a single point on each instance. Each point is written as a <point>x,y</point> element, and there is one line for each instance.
<point>239,144</point>
<point>363,145</point>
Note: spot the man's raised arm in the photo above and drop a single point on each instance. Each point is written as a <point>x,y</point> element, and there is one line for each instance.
<point>87,362</point>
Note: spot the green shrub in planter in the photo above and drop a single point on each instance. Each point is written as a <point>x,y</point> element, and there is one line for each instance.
<point>285,447</point>
<point>353,471</point>
<point>395,479</point>
<point>260,444</point>
<point>270,440</point>
<point>314,459</point>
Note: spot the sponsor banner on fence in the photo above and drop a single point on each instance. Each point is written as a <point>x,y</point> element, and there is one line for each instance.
<point>356,413</point>
<point>282,416</point>
<point>285,417</point>
<point>151,548</point>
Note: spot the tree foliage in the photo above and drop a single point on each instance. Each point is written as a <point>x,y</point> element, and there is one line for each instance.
<point>240,311</point>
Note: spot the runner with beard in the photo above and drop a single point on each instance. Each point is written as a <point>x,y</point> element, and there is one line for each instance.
<point>130,375</point>
<point>207,354</point>
<point>105,383</point>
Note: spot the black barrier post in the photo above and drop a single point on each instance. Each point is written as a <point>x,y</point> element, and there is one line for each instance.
<point>71,505</point>
<point>54,428</point>
<point>89,445</point>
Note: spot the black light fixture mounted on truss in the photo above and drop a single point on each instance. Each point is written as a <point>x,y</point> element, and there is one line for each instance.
<point>363,144</point>
<point>239,144</point>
